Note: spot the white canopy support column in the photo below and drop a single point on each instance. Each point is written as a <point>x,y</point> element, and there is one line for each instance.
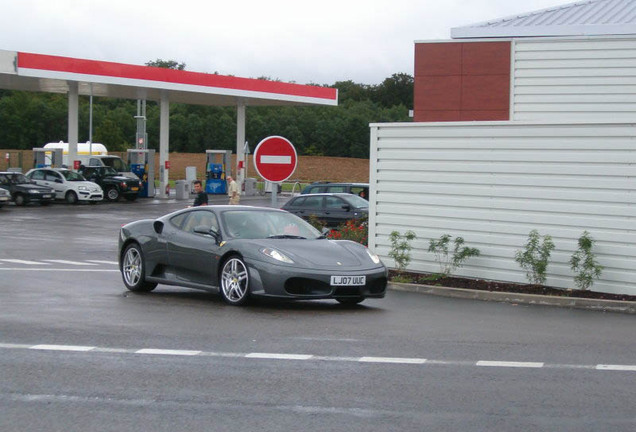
<point>73,122</point>
<point>240,142</point>
<point>164,139</point>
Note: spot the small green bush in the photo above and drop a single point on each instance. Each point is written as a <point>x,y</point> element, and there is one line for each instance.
<point>584,263</point>
<point>401,249</point>
<point>448,263</point>
<point>535,257</point>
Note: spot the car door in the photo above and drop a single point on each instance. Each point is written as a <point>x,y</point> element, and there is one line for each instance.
<point>336,211</point>
<point>55,181</point>
<point>38,177</point>
<point>194,256</point>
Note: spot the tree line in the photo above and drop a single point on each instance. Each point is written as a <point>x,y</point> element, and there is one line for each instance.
<point>29,119</point>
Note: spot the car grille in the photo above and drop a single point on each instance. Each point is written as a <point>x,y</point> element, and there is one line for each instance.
<point>303,286</point>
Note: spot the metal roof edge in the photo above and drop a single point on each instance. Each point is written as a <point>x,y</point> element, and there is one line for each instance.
<point>543,31</point>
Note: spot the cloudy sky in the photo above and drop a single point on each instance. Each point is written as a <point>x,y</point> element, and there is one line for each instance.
<point>292,40</point>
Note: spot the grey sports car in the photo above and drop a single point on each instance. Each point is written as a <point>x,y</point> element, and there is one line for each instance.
<point>241,251</point>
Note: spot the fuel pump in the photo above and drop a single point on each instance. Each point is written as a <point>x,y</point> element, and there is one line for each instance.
<point>44,157</point>
<point>218,167</point>
<point>142,164</point>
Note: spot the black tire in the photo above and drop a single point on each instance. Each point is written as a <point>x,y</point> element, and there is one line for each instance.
<point>112,194</point>
<point>133,270</point>
<point>130,197</point>
<point>19,199</point>
<point>350,300</point>
<point>71,197</point>
<point>234,281</point>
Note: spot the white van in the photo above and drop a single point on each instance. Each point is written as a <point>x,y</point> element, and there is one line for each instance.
<point>94,154</point>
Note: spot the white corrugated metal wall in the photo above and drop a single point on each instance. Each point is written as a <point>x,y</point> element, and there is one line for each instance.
<point>493,182</point>
<point>588,79</point>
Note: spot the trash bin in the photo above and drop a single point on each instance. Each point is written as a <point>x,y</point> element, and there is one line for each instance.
<point>182,189</point>
<point>250,186</point>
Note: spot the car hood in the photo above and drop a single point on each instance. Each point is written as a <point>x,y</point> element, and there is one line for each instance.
<point>26,186</point>
<point>322,253</point>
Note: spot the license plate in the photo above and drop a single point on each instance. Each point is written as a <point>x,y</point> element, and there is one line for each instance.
<point>46,196</point>
<point>348,280</point>
<point>134,188</point>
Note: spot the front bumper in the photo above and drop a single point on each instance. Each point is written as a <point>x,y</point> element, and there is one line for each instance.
<point>271,280</point>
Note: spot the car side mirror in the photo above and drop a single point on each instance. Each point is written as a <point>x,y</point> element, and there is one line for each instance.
<point>206,230</point>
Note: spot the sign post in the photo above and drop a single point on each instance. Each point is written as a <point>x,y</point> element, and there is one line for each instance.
<point>275,160</point>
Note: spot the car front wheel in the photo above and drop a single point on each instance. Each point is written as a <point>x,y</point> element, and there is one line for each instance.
<point>112,194</point>
<point>133,270</point>
<point>19,200</point>
<point>235,286</point>
<point>71,197</point>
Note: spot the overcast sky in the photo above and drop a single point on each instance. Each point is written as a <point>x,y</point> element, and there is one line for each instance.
<point>292,40</point>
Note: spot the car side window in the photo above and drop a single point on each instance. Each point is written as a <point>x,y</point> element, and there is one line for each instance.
<point>200,218</point>
<point>4,180</point>
<point>298,202</point>
<point>314,202</point>
<point>37,175</point>
<point>93,162</point>
<point>178,220</point>
<point>51,176</point>
<point>334,203</point>
<point>336,189</point>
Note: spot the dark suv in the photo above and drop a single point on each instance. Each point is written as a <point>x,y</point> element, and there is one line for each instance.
<point>360,189</point>
<point>333,209</point>
<point>113,184</point>
<point>23,191</point>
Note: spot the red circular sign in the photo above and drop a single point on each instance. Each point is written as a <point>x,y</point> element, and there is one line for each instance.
<point>275,159</point>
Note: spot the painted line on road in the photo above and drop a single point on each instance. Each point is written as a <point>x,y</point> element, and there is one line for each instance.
<point>57,269</point>
<point>284,356</point>
<point>397,360</point>
<point>167,352</point>
<point>62,348</point>
<point>76,263</point>
<point>26,262</point>
<point>487,363</point>
<point>103,262</point>
<point>610,367</point>
<point>275,356</point>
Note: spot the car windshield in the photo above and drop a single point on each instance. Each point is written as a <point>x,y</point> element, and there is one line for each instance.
<point>357,201</point>
<point>108,171</point>
<point>260,224</point>
<point>72,176</point>
<point>116,164</point>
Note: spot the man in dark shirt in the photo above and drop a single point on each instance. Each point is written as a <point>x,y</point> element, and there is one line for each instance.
<point>202,197</point>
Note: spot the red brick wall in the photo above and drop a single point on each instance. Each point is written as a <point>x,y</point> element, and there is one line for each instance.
<point>462,81</point>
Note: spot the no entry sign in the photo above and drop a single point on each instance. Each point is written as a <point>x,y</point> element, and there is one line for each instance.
<point>275,159</point>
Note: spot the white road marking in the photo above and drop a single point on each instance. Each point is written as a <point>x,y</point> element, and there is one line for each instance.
<point>167,352</point>
<point>27,262</point>
<point>103,262</point>
<point>279,356</point>
<point>57,269</point>
<point>283,356</point>
<point>76,263</point>
<point>610,367</point>
<point>398,360</point>
<point>509,364</point>
<point>62,348</point>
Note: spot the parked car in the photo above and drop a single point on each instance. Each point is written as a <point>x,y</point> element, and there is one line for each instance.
<point>23,191</point>
<point>69,185</point>
<point>113,184</point>
<point>5,196</point>
<point>332,208</point>
<point>360,189</point>
<point>240,251</point>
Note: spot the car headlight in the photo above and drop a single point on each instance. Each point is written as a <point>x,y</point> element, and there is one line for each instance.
<point>83,188</point>
<point>34,191</point>
<point>278,256</point>
<point>374,257</point>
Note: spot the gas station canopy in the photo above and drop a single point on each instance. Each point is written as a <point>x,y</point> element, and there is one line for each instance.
<point>46,73</point>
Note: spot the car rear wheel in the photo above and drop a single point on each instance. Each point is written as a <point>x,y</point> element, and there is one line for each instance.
<point>19,199</point>
<point>112,194</point>
<point>235,286</point>
<point>71,197</point>
<point>350,300</point>
<point>133,270</point>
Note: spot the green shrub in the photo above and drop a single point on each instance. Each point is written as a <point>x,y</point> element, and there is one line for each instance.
<point>536,256</point>
<point>584,263</point>
<point>448,263</point>
<point>401,249</point>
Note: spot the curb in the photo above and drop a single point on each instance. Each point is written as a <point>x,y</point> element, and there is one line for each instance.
<point>531,299</point>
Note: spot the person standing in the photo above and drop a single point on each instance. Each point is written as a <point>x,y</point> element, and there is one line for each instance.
<point>201,198</point>
<point>233,191</point>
